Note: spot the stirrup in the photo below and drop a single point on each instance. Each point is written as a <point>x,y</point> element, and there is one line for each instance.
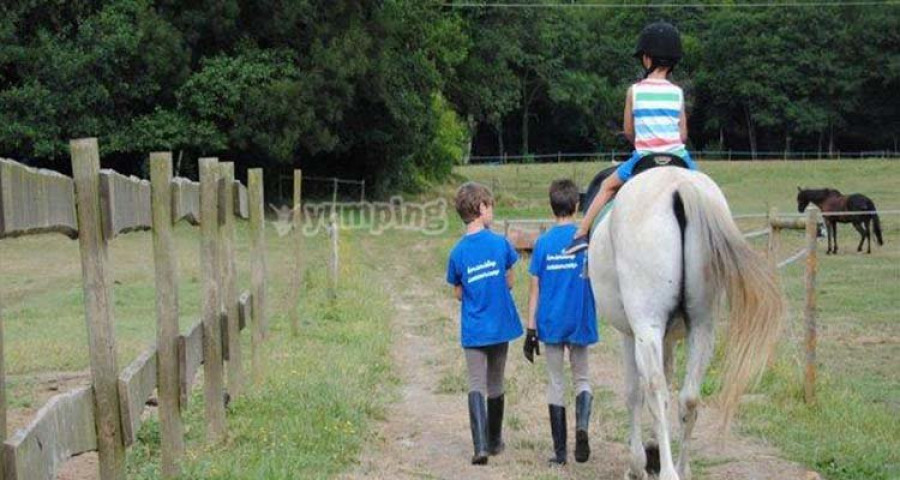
<point>578,244</point>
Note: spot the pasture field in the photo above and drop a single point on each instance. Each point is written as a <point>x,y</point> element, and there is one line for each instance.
<point>321,390</point>
<point>328,394</point>
<point>852,432</point>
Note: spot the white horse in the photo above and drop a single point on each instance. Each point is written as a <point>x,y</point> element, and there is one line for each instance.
<point>659,264</point>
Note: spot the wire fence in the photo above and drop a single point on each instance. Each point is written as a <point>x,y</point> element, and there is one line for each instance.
<point>654,5</point>
<point>323,189</point>
<point>699,155</point>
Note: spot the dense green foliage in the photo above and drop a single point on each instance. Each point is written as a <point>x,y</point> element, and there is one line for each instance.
<point>396,91</point>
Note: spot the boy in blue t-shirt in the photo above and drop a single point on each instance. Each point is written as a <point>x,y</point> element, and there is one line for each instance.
<point>479,269</point>
<point>561,314</point>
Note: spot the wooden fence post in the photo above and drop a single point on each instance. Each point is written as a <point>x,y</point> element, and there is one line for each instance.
<point>165,260</point>
<point>228,274</point>
<point>2,398</point>
<point>213,388</point>
<point>257,267</point>
<point>296,219</point>
<point>774,239</point>
<point>334,192</point>
<point>809,313</point>
<point>333,285</point>
<point>98,302</point>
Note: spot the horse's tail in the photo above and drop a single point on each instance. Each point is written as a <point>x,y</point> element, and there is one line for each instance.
<point>876,223</point>
<point>752,289</point>
<point>876,226</point>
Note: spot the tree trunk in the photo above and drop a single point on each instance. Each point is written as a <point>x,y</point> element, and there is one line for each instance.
<point>830,139</point>
<point>178,163</point>
<point>525,129</point>
<point>787,145</point>
<point>751,133</point>
<point>500,148</point>
<point>821,136</point>
<point>527,98</point>
<point>473,128</point>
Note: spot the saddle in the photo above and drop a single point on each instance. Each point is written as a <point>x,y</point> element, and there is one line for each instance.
<point>651,160</point>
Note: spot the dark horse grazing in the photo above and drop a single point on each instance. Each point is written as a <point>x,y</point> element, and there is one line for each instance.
<point>831,200</point>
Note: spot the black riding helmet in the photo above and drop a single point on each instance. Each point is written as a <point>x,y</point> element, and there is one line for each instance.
<point>662,43</point>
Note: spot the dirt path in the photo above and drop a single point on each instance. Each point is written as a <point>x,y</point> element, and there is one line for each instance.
<point>426,433</point>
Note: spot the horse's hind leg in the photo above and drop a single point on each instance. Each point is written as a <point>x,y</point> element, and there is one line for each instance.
<point>652,446</point>
<point>865,232</point>
<point>635,403</point>
<point>834,235</point>
<point>700,342</point>
<point>867,224</point>
<point>669,358</point>
<point>649,357</point>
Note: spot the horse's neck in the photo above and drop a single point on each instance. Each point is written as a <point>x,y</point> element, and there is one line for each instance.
<point>826,198</point>
<point>819,202</point>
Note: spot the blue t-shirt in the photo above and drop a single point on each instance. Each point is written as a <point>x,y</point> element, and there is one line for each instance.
<point>565,310</point>
<point>479,263</point>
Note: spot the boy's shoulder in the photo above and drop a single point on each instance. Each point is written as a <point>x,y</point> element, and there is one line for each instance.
<point>559,230</point>
<point>477,240</point>
<point>557,234</point>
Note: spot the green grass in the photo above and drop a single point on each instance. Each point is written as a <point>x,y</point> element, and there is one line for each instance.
<point>852,432</point>
<point>315,408</point>
<point>751,187</point>
<point>321,392</point>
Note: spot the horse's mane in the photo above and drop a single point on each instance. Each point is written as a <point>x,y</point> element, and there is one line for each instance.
<point>817,195</point>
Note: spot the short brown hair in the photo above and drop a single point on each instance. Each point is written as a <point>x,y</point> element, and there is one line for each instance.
<point>563,197</point>
<point>469,198</point>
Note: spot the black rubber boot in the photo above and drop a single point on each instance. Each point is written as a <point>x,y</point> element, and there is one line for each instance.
<point>478,422</point>
<point>582,421</point>
<point>558,431</point>
<point>495,425</point>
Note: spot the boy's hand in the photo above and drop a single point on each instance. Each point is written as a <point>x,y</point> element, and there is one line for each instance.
<point>532,347</point>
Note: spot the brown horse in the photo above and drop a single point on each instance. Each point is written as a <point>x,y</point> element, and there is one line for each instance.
<point>831,200</point>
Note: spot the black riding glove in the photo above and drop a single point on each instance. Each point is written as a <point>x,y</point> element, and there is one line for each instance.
<point>531,347</point>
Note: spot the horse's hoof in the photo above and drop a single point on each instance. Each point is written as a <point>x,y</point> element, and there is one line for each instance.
<point>652,452</point>
<point>684,471</point>
<point>631,475</point>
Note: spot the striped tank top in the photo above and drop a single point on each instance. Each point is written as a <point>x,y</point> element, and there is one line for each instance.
<point>656,106</point>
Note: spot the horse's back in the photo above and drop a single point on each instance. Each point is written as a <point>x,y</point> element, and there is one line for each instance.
<point>652,193</point>
<point>857,202</point>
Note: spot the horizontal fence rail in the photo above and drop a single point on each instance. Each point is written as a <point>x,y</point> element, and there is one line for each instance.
<point>35,200</point>
<point>61,429</point>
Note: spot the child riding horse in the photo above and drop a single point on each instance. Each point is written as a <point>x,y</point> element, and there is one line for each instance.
<point>831,200</point>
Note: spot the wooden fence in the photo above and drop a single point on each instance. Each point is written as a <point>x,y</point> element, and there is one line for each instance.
<point>95,206</point>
